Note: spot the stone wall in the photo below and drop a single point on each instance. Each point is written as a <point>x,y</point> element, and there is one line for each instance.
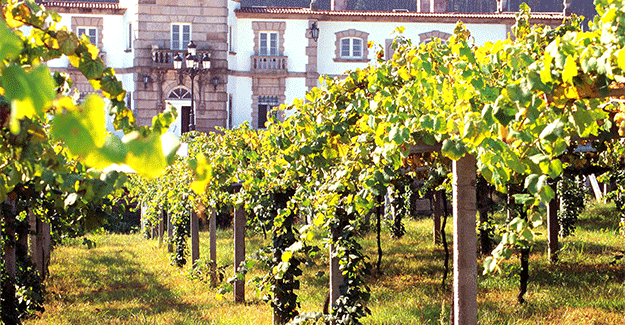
<point>209,31</point>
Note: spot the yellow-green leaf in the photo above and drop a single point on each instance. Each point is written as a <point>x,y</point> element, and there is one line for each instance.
<point>570,70</point>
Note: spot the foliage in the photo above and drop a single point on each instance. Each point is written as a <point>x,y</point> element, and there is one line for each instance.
<point>516,105</point>
<point>572,197</point>
<point>51,148</point>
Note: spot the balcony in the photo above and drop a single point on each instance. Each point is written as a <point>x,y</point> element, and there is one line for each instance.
<point>272,65</point>
<point>164,59</point>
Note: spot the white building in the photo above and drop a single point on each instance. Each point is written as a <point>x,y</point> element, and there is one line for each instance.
<point>260,56</point>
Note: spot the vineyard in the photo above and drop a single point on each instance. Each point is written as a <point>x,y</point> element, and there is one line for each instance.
<point>495,130</point>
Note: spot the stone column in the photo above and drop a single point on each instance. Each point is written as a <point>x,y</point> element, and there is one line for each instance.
<point>465,248</point>
<point>312,76</point>
<point>239,251</point>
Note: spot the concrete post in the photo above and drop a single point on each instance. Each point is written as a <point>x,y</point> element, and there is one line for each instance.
<point>239,251</point>
<point>465,238</point>
<point>195,237</point>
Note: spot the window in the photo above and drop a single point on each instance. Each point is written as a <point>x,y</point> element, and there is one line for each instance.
<point>129,39</point>
<point>179,93</point>
<point>180,36</point>
<point>231,39</point>
<point>91,32</point>
<point>230,109</point>
<point>351,48</point>
<point>268,44</point>
<point>265,104</point>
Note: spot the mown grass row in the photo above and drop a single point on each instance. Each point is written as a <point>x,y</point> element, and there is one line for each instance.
<point>128,280</point>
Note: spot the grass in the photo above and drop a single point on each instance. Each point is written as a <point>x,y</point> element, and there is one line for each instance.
<point>128,280</point>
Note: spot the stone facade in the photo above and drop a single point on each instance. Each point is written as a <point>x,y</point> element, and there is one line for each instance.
<point>209,31</point>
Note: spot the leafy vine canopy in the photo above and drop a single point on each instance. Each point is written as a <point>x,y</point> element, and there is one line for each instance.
<point>516,105</point>
<point>36,106</point>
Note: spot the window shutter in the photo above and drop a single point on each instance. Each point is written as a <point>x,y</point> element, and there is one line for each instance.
<point>175,37</point>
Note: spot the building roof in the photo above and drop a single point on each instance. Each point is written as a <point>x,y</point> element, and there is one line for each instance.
<point>91,6</point>
<point>400,16</point>
<point>362,5</point>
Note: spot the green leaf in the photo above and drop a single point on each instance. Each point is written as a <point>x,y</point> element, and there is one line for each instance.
<point>621,59</point>
<point>570,70</point>
<point>453,150</point>
<point>583,121</point>
<point>90,68</point>
<point>553,131</point>
<point>531,183</point>
<point>34,89</point>
<point>545,73</point>
<point>145,154</point>
<point>10,44</point>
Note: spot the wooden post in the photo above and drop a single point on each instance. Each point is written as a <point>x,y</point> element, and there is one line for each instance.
<point>170,233</point>
<point>46,247</point>
<point>212,240</point>
<point>161,229</point>
<point>336,279</point>
<point>553,228</point>
<point>239,251</point>
<point>195,237</point>
<point>35,251</point>
<point>7,293</point>
<point>465,248</point>
<point>438,214</point>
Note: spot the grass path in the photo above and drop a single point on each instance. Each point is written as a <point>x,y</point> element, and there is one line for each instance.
<point>128,280</point>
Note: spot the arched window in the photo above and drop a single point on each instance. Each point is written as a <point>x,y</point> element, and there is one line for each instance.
<point>179,93</point>
<point>427,37</point>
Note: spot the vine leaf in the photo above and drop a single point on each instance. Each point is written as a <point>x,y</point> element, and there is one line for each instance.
<point>10,44</point>
<point>570,70</point>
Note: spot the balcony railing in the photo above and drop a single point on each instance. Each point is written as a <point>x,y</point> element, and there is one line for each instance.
<point>162,58</point>
<point>269,64</point>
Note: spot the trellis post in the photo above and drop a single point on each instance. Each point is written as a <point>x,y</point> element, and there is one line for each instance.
<point>553,228</point>
<point>336,278</point>
<point>239,251</point>
<point>170,233</point>
<point>195,237</point>
<point>161,229</point>
<point>465,238</point>
<point>439,209</point>
<point>8,282</point>
<point>212,240</point>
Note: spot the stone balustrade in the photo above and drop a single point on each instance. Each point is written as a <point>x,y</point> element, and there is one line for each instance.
<point>266,64</point>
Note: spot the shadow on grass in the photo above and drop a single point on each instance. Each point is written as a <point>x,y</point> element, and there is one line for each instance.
<point>122,288</point>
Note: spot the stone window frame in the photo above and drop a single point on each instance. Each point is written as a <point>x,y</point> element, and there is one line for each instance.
<point>269,26</point>
<point>90,22</point>
<point>426,37</point>
<point>351,33</point>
